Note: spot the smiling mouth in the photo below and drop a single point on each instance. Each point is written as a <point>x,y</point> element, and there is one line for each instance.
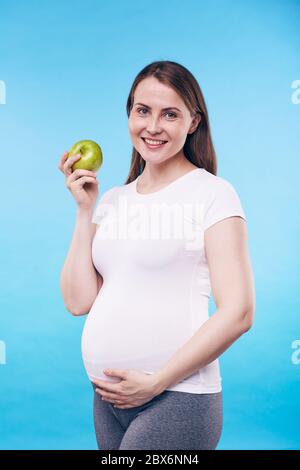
<point>154,145</point>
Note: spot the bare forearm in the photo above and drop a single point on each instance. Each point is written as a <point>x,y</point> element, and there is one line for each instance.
<point>206,345</point>
<point>78,277</point>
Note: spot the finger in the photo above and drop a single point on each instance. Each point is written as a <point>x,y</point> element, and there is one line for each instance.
<point>113,395</point>
<point>82,171</point>
<point>116,373</point>
<point>116,402</point>
<point>77,174</point>
<point>105,387</point>
<point>62,160</point>
<point>81,181</point>
<point>67,166</point>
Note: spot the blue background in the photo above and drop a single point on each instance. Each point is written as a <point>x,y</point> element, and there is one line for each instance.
<point>68,67</point>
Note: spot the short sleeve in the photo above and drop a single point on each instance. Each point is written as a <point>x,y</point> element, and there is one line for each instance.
<point>223,202</point>
<point>104,203</point>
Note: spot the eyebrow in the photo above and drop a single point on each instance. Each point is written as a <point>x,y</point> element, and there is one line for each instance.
<point>164,109</point>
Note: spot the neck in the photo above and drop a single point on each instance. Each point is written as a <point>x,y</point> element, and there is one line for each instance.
<point>155,174</point>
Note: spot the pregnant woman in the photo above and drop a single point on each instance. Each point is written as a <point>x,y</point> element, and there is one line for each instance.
<point>142,264</point>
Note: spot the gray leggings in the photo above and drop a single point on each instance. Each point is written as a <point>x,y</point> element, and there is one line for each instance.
<point>171,420</point>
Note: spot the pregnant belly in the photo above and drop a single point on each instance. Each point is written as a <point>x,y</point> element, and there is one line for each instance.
<point>107,345</point>
<point>133,335</point>
<point>121,348</point>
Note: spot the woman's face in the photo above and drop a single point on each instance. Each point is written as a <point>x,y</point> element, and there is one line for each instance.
<point>149,119</point>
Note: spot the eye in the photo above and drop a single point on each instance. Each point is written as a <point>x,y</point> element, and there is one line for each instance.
<point>141,109</point>
<point>173,114</point>
<point>144,109</point>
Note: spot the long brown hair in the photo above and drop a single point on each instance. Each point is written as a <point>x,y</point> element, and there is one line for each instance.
<point>198,147</point>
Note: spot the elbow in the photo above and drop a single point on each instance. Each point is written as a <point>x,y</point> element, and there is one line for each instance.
<point>77,312</point>
<point>247,327</point>
<point>248,319</point>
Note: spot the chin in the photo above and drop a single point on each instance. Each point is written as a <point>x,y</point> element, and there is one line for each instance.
<point>153,159</point>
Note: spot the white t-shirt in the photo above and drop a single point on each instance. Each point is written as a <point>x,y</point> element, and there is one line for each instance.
<point>149,249</point>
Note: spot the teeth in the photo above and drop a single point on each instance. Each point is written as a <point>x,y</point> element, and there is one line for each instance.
<point>154,142</point>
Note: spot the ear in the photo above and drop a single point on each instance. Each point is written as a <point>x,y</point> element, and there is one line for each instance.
<point>196,120</point>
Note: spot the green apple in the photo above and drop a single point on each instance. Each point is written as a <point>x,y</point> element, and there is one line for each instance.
<point>91,158</point>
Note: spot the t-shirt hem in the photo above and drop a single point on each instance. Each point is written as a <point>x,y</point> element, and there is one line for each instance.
<point>195,388</point>
<point>218,218</point>
<point>185,387</point>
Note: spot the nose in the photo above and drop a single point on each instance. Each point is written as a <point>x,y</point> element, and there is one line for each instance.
<point>153,127</point>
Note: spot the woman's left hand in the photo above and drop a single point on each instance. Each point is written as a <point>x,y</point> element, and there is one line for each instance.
<point>134,389</point>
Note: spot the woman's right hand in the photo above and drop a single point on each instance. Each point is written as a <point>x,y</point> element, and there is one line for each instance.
<point>82,184</point>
